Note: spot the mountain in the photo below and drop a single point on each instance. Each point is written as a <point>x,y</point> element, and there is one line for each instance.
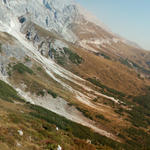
<point>62,69</point>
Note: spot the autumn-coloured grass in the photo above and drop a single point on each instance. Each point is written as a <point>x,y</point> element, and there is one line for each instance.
<point>110,73</point>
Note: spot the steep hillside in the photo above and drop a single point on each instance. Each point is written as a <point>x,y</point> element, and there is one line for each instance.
<point>60,67</point>
<point>24,126</point>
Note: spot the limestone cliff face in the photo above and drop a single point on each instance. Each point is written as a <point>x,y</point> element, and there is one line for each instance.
<point>53,15</point>
<point>69,21</point>
<point>65,17</point>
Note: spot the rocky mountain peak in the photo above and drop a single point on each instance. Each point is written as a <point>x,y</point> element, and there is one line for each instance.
<point>54,14</point>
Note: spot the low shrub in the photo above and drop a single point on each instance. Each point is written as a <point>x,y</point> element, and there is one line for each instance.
<point>21,68</point>
<point>73,57</point>
<point>53,94</point>
<point>110,90</point>
<point>40,93</point>
<point>76,129</point>
<point>100,116</point>
<point>85,112</point>
<point>8,93</point>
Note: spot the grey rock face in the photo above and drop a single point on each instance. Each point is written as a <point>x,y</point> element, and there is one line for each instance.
<point>54,15</point>
<point>8,54</point>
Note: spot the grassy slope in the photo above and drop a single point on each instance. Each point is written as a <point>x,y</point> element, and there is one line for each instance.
<point>38,134</point>
<point>39,128</point>
<point>32,118</point>
<point>114,50</point>
<point>110,73</point>
<point>40,84</point>
<point>36,81</point>
<point>107,119</point>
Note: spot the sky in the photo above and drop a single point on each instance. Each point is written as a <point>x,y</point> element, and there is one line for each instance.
<point>128,18</point>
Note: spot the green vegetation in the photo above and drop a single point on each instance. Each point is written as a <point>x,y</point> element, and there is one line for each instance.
<point>39,69</point>
<point>77,130</point>
<point>21,68</point>
<point>86,113</point>
<point>138,135</point>
<point>141,68</point>
<point>119,111</point>
<point>33,84</point>
<point>138,117</point>
<point>35,87</point>
<point>59,58</point>
<point>63,58</point>
<point>53,94</point>
<point>131,64</point>
<point>143,101</point>
<point>105,56</point>
<point>100,116</point>
<point>125,62</point>
<point>140,114</point>
<point>73,57</point>
<point>135,138</point>
<point>140,139</point>
<point>43,134</point>
<point>27,59</point>
<point>41,93</point>
<point>110,90</point>
<point>8,93</point>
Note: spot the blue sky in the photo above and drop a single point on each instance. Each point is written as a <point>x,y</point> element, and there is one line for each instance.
<point>129,18</point>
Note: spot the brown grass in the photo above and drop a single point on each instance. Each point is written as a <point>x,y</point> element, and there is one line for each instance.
<point>110,73</point>
<point>35,137</point>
